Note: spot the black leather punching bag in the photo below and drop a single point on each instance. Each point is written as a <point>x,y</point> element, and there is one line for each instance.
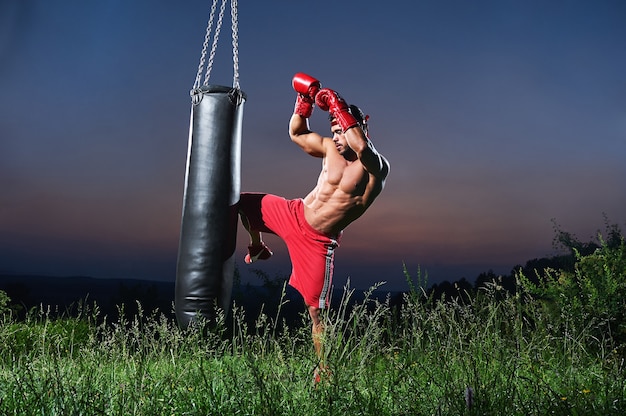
<point>206,265</point>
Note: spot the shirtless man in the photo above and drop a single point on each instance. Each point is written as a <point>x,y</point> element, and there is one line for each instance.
<point>353,175</point>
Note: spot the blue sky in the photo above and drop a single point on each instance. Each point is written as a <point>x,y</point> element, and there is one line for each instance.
<point>496,117</point>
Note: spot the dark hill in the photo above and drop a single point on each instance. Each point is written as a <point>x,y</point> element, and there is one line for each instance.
<point>63,294</point>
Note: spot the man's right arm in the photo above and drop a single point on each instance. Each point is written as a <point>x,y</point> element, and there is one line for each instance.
<point>309,141</point>
<point>312,143</point>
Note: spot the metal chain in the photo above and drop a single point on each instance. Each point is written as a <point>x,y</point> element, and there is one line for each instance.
<point>205,46</point>
<point>233,14</point>
<point>218,27</point>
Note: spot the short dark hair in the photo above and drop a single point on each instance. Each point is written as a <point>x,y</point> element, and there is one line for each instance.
<point>358,114</point>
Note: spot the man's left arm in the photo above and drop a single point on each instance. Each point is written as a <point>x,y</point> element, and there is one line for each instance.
<point>375,163</point>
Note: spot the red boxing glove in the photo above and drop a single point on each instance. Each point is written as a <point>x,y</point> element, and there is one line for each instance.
<point>306,84</point>
<point>307,87</point>
<point>328,99</point>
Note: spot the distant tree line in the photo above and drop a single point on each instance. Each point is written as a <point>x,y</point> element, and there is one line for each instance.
<point>534,270</point>
<point>591,275</point>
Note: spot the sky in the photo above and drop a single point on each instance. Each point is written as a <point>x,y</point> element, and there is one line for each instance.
<point>499,119</point>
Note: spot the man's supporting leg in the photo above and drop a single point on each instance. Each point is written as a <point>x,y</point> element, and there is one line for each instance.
<point>317,333</point>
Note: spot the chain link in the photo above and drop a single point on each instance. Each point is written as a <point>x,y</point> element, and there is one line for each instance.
<point>205,45</point>
<point>218,27</point>
<point>233,13</point>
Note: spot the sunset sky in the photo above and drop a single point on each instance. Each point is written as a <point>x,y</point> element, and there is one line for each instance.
<point>496,116</point>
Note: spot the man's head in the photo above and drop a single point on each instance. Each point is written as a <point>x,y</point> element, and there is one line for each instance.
<point>339,137</point>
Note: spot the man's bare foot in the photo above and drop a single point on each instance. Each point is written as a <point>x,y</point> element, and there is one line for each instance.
<point>257,252</point>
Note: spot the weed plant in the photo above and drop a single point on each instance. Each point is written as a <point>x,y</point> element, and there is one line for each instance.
<point>492,352</point>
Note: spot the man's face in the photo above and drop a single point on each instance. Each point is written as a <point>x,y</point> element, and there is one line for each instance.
<point>339,138</point>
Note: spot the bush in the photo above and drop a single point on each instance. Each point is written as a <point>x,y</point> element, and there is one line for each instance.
<point>592,295</point>
<point>4,303</point>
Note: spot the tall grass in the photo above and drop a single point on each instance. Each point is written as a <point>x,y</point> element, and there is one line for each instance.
<point>488,353</point>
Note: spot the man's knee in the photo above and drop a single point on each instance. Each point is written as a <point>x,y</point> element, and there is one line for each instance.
<point>315,313</point>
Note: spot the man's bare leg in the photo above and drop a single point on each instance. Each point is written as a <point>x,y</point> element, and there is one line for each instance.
<point>317,333</point>
<point>257,250</point>
<point>255,236</point>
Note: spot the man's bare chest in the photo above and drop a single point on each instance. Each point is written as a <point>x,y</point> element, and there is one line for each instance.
<point>350,178</point>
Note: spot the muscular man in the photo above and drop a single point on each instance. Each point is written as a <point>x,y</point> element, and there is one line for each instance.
<point>353,174</point>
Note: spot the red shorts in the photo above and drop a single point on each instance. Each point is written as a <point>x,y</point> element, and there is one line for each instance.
<point>311,252</point>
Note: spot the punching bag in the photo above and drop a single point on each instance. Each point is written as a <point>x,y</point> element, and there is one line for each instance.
<point>206,265</point>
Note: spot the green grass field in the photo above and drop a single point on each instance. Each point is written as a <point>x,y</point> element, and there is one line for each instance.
<point>493,352</point>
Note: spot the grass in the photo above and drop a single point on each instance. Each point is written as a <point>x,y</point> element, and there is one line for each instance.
<point>492,353</point>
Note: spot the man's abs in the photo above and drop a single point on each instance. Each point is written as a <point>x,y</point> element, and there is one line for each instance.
<point>333,215</point>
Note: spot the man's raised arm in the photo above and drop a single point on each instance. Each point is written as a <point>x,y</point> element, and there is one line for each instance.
<point>374,162</point>
<point>307,88</point>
